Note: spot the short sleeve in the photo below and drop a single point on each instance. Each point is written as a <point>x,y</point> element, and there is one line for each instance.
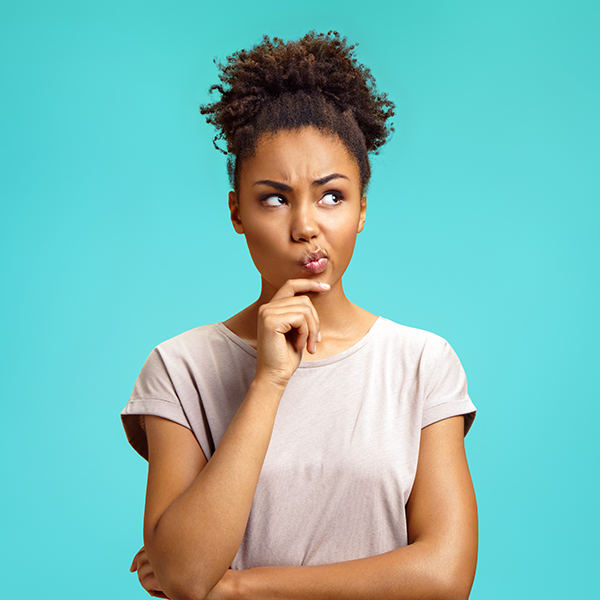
<point>447,394</point>
<point>153,394</point>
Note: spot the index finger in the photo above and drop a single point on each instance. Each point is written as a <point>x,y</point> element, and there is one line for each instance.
<point>295,286</point>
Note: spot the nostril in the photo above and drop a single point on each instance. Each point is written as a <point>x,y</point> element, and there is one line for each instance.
<point>305,236</point>
<point>304,231</point>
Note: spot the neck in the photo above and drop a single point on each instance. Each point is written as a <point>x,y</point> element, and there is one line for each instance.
<point>342,322</point>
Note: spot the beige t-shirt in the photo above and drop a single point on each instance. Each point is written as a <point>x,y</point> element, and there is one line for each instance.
<point>343,453</point>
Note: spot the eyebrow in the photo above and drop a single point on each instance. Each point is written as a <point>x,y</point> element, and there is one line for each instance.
<point>274,184</point>
<point>286,188</point>
<point>328,178</point>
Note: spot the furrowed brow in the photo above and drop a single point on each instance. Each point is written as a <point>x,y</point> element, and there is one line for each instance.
<point>274,184</point>
<point>328,178</point>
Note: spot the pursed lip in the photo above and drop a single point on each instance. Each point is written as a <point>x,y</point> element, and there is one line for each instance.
<point>315,262</point>
<point>314,256</point>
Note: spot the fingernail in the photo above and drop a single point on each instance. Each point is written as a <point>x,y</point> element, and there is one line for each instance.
<point>324,285</point>
<point>319,336</point>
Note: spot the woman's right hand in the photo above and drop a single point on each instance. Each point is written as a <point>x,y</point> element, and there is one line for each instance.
<point>286,326</point>
<point>146,575</point>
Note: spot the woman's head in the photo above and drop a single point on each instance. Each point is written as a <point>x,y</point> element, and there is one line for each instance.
<point>315,81</point>
<point>299,207</point>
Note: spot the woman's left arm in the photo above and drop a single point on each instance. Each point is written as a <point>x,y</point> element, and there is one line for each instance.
<point>439,561</point>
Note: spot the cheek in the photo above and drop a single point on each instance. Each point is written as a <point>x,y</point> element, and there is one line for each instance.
<point>342,241</point>
<point>264,242</point>
<point>349,242</point>
<point>347,229</point>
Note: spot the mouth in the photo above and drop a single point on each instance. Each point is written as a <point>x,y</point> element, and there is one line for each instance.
<point>315,262</point>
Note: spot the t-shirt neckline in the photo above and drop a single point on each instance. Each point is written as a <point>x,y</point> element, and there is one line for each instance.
<point>305,364</point>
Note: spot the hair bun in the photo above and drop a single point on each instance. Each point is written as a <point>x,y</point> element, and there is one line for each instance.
<point>318,64</point>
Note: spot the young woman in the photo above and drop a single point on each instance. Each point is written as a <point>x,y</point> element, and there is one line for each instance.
<point>304,448</point>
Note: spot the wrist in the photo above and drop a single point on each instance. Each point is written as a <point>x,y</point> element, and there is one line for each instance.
<point>269,383</point>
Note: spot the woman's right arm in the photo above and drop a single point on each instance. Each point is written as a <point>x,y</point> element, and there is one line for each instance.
<point>197,511</point>
<point>193,525</point>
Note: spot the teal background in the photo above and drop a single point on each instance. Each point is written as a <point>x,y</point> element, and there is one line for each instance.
<point>482,227</point>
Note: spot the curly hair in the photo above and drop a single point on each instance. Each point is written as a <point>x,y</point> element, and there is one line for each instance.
<point>279,85</point>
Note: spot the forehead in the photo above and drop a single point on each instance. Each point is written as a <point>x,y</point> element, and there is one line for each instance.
<point>300,154</point>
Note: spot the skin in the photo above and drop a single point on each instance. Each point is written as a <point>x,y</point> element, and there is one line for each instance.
<point>281,226</point>
<point>196,511</point>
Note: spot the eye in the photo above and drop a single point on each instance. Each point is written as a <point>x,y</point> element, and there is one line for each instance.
<point>274,200</point>
<point>331,198</point>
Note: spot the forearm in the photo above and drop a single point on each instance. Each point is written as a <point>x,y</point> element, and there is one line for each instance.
<point>439,561</point>
<point>416,572</point>
<point>196,538</point>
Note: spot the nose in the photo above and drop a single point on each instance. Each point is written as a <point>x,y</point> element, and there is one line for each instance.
<point>304,223</point>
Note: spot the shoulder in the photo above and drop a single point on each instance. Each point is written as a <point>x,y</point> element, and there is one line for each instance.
<point>207,340</point>
<point>430,360</point>
<point>178,357</point>
<point>428,356</point>
<point>410,340</point>
<point>198,336</point>
<point>200,358</point>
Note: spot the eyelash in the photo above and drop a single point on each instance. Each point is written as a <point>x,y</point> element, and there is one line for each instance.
<point>335,193</point>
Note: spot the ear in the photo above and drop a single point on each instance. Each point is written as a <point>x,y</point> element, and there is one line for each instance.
<point>234,209</point>
<point>363,214</point>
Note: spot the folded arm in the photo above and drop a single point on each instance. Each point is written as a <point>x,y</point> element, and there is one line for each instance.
<point>196,511</point>
<point>439,561</point>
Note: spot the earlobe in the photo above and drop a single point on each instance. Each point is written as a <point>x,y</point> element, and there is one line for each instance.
<point>234,209</point>
<point>363,214</point>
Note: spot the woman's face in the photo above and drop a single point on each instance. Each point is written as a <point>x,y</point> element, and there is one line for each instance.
<point>299,206</point>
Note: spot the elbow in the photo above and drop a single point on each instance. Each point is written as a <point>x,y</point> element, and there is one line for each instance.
<point>456,592</point>
<point>443,589</point>
<point>455,571</point>
<point>445,577</point>
<point>180,588</point>
<point>461,593</point>
<point>197,588</point>
<point>454,585</point>
<point>178,581</point>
